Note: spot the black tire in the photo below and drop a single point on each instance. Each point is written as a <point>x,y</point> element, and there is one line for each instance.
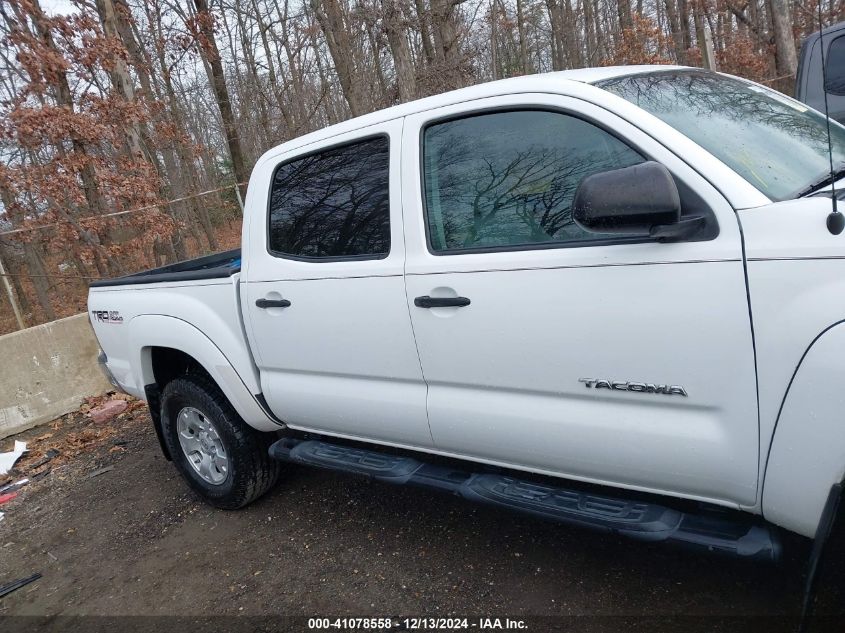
<point>251,471</point>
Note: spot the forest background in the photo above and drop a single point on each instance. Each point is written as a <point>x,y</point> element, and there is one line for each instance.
<point>128,128</point>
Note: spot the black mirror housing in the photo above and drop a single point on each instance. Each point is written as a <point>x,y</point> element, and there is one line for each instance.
<point>632,200</point>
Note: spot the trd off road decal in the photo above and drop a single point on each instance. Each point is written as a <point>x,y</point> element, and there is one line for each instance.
<point>636,387</point>
<point>107,316</point>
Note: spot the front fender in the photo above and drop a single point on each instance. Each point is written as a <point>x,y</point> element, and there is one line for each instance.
<point>807,454</point>
<point>148,331</point>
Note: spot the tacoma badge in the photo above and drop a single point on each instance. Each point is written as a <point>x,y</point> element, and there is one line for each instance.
<point>636,387</point>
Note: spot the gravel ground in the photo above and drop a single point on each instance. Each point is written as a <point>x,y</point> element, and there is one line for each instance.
<point>134,541</point>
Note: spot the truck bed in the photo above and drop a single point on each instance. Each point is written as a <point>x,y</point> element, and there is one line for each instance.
<point>213,266</point>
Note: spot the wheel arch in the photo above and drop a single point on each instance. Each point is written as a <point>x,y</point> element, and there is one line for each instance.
<point>164,347</point>
<point>806,456</point>
<point>166,364</point>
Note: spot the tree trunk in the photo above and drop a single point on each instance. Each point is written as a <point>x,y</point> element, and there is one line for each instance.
<point>221,93</point>
<point>400,50</point>
<point>446,42</point>
<point>786,59</point>
<point>494,41</point>
<point>375,60</point>
<point>252,68</point>
<point>64,97</point>
<point>524,62</point>
<point>683,16</point>
<point>573,48</point>
<point>299,120</point>
<point>14,269</point>
<point>8,200</point>
<point>601,38</point>
<point>38,276</point>
<point>172,185</point>
<point>707,60</point>
<point>624,10</point>
<point>330,15</point>
<point>424,19</point>
<point>325,85</point>
<point>590,32</point>
<point>183,177</point>
<point>677,36</point>
<point>553,9</point>
<point>121,80</point>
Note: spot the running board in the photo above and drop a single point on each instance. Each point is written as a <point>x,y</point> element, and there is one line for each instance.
<point>639,520</point>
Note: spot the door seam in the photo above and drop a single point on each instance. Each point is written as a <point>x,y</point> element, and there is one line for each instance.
<point>405,273</point>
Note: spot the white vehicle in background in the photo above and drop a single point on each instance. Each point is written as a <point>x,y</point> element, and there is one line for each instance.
<point>609,295</point>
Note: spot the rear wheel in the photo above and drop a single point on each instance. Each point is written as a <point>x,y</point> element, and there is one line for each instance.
<point>222,458</point>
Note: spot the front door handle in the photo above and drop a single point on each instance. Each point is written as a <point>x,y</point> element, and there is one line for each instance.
<point>441,302</point>
<point>272,303</point>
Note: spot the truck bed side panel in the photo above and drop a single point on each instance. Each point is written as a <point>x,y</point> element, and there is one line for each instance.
<point>210,307</point>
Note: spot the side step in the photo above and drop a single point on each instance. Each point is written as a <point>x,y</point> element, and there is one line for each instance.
<point>640,520</point>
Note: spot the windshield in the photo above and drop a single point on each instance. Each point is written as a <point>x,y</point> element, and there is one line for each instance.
<point>774,142</point>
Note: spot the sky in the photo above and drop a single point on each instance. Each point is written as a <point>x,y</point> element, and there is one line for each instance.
<point>57,7</point>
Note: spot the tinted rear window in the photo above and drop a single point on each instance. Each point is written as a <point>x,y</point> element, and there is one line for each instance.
<point>333,203</point>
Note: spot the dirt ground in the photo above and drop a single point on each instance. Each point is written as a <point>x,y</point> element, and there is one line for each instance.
<point>134,541</point>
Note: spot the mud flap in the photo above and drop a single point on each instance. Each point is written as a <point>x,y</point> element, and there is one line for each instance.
<point>154,403</point>
<point>824,589</point>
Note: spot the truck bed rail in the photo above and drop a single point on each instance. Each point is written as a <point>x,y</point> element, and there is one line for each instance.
<point>218,265</point>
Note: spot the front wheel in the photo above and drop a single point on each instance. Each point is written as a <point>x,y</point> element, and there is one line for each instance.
<point>223,459</point>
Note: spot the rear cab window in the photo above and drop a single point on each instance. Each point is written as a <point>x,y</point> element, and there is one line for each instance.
<point>332,204</point>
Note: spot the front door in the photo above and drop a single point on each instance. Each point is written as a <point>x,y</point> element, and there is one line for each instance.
<point>324,293</point>
<point>617,361</point>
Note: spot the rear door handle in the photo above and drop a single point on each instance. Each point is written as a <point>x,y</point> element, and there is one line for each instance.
<point>272,303</point>
<point>441,302</point>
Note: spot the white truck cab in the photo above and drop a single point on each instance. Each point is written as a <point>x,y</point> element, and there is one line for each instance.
<point>616,277</point>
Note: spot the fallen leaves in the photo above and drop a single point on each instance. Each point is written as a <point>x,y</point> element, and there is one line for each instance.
<point>77,433</point>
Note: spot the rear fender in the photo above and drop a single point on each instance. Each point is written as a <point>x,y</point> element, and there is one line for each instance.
<point>148,331</point>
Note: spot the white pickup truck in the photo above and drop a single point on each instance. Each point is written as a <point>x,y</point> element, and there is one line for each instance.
<point>606,297</point>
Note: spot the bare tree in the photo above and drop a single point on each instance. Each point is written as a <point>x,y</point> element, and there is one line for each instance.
<point>211,54</point>
<point>786,60</point>
<point>394,27</point>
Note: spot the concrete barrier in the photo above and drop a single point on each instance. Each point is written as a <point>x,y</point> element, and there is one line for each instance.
<point>46,371</point>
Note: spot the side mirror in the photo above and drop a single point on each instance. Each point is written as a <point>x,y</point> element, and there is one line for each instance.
<point>638,200</point>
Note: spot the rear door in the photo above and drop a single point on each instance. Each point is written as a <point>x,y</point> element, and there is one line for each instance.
<point>611,360</point>
<point>324,295</point>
